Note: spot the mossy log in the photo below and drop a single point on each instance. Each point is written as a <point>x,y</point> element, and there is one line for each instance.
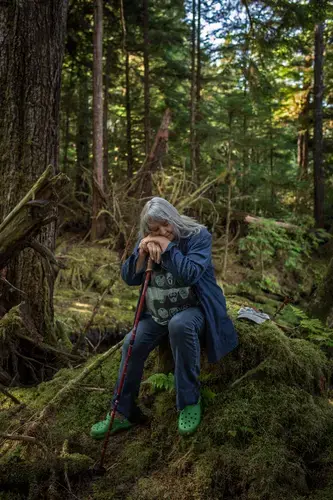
<point>36,209</point>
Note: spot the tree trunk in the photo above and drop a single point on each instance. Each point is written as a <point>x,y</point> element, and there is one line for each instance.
<point>83,132</point>
<point>303,140</point>
<point>146,75</point>
<point>32,35</point>
<point>271,164</point>
<point>98,224</point>
<point>128,119</point>
<point>107,80</point>
<point>321,305</point>
<point>318,125</point>
<point>198,96</point>
<point>129,151</point>
<point>193,95</point>
<point>229,195</point>
<point>65,139</point>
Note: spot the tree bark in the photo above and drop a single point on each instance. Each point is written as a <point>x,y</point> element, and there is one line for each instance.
<point>303,139</point>
<point>321,306</point>
<point>98,223</point>
<point>318,171</point>
<point>193,94</point>
<point>129,152</point>
<point>229,195</point>
<point>128,119</point>
<point>82,139</point>
<point>32,44</point>
<point>107,81</point>
<point>198,96</point>
<point>146,75</point>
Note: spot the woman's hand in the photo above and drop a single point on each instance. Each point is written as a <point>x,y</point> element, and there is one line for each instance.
<point>143,249</point>
<point>158,240</point>
<point>154,251</point>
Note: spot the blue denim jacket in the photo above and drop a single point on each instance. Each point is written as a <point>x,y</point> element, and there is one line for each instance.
<point>190,259</point>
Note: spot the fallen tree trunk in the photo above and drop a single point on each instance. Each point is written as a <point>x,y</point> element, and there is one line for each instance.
<point>237,215</point>
<point>142,186</point>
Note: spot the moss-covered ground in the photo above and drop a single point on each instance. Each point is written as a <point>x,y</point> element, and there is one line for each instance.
<point>266,433</point>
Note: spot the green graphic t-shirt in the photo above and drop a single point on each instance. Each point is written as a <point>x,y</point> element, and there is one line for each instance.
<point>167,296</point>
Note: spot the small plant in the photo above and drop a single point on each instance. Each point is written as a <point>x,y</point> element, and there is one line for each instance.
<point>313,329</point>
<point>267,241</point>
<point>207,396</point>
<point>161,381</point>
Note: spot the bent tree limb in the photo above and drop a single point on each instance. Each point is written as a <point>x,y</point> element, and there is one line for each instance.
<point>36,209</point>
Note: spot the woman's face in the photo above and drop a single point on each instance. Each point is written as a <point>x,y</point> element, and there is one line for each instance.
<point>157,228</point>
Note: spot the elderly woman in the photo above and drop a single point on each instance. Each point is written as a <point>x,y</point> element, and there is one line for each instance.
<point>183,301</point>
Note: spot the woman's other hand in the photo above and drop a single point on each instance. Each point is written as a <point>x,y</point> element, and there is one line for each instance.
<point>154,251</point>
<point>161,241</point>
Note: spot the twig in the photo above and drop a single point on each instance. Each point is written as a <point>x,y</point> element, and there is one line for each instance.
<point>47,347</point>
<point>93,389</point>
<point>4,280</point>
<point>92,317</point>
<point>26,439</point>
<point>9,395</point>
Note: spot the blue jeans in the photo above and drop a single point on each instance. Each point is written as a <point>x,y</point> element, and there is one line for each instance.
<point>184,330</point>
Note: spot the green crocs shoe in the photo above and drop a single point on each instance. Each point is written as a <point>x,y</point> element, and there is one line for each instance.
<point>189,419</point>
<point>99,430</point>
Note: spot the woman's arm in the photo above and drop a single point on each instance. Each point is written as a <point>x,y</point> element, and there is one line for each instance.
<point>190,267</point>
<point>132,271</point>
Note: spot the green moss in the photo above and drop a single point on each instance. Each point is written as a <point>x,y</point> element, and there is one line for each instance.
<point>259,439</point>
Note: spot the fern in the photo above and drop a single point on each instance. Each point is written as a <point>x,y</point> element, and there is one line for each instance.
<point>161,381</point>
<point>207,396</point>
<point>313,328</point>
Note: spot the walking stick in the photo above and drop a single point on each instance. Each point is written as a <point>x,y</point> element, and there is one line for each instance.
<point>100,470</point>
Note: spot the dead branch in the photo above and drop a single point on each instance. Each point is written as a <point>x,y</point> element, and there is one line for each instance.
<point>141,184</point>
<point>36,209</point>
<point>25,439</point>
<point>92,317</point>
<point>9,395</point>
<point>72,384</point>
<point>46,253</point>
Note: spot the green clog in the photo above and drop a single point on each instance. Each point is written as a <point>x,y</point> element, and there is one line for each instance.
<point>189,419</point>
<point>99,430</point>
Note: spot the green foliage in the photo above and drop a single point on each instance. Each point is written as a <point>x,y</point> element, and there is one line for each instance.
<point>313,329</point>
<point>265,422</point>
<point>161,381</point>
<point>268,243</point>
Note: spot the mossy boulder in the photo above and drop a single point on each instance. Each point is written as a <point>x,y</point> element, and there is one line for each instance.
<point>266,433</point>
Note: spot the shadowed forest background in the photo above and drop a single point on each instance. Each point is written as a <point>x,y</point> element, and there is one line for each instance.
<point>224,108</point>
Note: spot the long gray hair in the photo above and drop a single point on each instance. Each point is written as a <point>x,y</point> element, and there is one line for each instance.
<point>160,210</point>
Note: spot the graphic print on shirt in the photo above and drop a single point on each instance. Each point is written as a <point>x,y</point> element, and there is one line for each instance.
<point>167,296</point>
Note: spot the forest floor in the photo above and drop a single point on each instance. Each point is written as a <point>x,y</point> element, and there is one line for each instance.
<point>267,429</point>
